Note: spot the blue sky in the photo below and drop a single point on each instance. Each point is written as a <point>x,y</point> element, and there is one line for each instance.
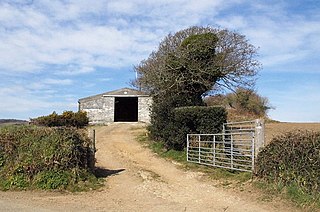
<point>54,52</point>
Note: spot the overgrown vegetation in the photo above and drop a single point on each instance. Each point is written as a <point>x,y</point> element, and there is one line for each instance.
<point>243,104</point>
<point>293,160</point>
<point>45,158</point>
<point>67,118</point>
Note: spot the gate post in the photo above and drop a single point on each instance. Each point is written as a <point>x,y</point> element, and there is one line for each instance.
<point>224,136</point>
<point>91,149</point>
<point>259,136</point>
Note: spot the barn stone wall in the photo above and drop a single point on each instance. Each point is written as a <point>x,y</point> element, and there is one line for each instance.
<point>100,109</point>
<point>144,106</point>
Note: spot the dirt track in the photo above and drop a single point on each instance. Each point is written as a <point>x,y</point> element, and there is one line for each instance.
<point>138,180</point>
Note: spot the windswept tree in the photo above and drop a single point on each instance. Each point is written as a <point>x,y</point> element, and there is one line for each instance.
<point>188,65</point>
<point>199,59</point>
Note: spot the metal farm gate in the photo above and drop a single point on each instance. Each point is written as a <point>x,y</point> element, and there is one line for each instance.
<point>235,148</point>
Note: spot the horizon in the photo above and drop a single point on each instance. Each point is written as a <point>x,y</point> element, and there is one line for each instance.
<point>52,53</point>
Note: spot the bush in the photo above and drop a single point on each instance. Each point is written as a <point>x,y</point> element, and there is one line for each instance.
<point>67,118</point>
<point>43,157</point>
<point>52,179</point>
<point>194,119</point>
<point>243,102</point>
<point>292,159</point>
<point>248,101</point>
<point>161,119</point>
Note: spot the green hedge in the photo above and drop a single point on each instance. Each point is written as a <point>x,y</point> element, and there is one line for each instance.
<point>67,118</point>
<point>195,119</point>
<point>41,157</point>
<point>292,159</point>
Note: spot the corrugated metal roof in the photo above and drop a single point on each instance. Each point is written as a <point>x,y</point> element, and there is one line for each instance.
<point>116,93</point>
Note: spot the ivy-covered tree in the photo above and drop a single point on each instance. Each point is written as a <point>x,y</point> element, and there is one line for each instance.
<point>190,63</point>
<point>199,59</point>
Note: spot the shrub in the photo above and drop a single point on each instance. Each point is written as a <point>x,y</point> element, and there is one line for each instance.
<point>67,118</point>
<point>292,159</point>
<point>43,157</point>
<point>161,119</point>
<point>244,102</point>
<point>248,101</point>
<point>194,119</point>
<point>52,179</point>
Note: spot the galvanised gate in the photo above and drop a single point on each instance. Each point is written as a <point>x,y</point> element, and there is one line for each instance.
<point>235,148</point>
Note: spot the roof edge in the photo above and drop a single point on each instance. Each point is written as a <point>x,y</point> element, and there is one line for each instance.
<point>122,92</point>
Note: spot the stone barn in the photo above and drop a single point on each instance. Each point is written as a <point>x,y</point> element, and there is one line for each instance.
<point>123,105</point>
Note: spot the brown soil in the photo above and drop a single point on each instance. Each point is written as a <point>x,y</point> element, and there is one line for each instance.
<point>275,129</point>
<point>138,180</point>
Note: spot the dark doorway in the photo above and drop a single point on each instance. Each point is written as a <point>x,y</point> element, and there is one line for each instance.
<point>126,109</point>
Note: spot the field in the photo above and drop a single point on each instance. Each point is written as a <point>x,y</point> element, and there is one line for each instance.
<point>275,129</point>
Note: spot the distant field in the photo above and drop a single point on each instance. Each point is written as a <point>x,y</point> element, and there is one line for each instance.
<point>274,129</point>
<point>12,122</point>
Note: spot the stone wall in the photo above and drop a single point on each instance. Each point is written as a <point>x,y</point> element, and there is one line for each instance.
<point>100,109</point>
<point>144,106</point>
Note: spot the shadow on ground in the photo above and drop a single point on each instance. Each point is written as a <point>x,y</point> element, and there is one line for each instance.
<point>103,173</point>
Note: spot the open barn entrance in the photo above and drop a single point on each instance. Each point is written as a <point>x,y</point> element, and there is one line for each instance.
<point>126,109</point>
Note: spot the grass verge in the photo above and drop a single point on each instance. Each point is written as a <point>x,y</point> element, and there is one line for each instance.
<point>293,193</point>
<point>229,177</point>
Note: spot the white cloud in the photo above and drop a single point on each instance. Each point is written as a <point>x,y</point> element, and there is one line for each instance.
<point>89,46</point>
<point>78,32</point>
<point>282,37</point>
<point>20,100</point>
<point>57,81</point>
<point>105,79</point>
<point>234,22</point>
<point>124,7</point>
<point>72,70</point>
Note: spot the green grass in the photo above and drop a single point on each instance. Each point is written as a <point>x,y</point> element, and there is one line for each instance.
<point>302,199</point>
<point>159,148</point>
<point>53,180</point>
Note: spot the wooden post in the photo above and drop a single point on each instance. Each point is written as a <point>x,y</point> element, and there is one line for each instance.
<point>94,141</point>
<point>199,140</point>
<point>92,148</point>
